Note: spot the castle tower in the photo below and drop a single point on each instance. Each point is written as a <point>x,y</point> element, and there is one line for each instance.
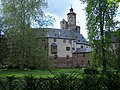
<point>63,24</point>
<point>71,16</point>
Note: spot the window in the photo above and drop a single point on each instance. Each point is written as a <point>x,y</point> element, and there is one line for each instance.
<point>70,41</point>
<point>67,48</point>
<point>73,48</point>
<point>81,46</point>
<point>55,56</point>
<point>54,40</point>
<point>53,48</point>
<point>88,62</point>
<point>76,37</point>
<point>64,40</point>
<point>45,47</point>
<point>78,40</point>
<point>83,54</point>
<point>67,57</point>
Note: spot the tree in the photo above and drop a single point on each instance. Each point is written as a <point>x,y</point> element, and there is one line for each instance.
<point>18,15</point>
<point>113,2</point>
<point>100,19</point>
<point>3,47</point>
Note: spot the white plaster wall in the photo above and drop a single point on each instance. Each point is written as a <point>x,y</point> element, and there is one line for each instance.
<point>79,46</point>
<point>61,47</point>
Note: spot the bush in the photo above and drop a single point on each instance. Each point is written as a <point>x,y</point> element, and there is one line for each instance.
<point>33,68</point>
<point>10,67</point>
<point>107,81</point>
<point>16,67</point>
<point>91,71</point>
<point>3,67</point>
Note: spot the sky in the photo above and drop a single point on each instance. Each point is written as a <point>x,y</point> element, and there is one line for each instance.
<point>59,9</point>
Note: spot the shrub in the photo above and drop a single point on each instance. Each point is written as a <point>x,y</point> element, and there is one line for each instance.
<point>91,71</point>
<point>33,68</point>
<point>107,81</point>
<point>16,67</point>
<point>10,67</point>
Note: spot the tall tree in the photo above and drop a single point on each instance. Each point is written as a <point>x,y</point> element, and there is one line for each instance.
<point>100,19</point>
<point>111,2</point>
<point>18,16</point>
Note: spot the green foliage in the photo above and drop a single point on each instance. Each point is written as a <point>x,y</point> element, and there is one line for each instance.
<point>3,49</point>
<point>100,21</point>
<point>113,2</point>
<point>107,81</point>
<point>91,71</point>
<point>26,49</point>
<point>37,73</point>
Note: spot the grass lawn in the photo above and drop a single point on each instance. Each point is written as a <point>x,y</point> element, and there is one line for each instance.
<point>38,73</point>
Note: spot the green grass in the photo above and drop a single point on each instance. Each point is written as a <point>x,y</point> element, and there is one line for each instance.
<point>37,73</point>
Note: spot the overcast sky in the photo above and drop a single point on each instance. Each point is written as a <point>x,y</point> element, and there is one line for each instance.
<point>59,9</point>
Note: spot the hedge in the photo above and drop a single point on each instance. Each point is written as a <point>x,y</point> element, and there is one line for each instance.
<point>108,81</point>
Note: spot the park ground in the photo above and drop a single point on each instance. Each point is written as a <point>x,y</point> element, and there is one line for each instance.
<point>39,73</point>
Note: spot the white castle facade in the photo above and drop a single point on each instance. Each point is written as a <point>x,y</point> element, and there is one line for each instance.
<point>64,43</point>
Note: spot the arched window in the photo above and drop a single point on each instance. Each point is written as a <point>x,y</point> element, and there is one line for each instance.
<point>53,48</point>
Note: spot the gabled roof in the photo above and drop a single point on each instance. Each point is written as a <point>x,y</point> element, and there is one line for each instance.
<point>80,39</point>
<point>59,33</point>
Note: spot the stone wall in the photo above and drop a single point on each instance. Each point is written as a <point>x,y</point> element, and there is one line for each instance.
<point>81,59</point>
<point>62,62</point>
<point>78,60</point>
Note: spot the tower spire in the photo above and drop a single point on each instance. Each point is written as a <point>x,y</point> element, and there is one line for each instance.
<point>71,9</point>
<point>71,5</point>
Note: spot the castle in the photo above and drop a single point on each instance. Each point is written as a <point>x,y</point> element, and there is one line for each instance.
<point>67,46</point>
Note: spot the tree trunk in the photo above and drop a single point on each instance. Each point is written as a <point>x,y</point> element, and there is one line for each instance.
<point>102,38</point>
